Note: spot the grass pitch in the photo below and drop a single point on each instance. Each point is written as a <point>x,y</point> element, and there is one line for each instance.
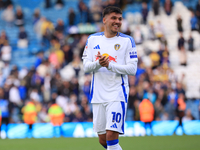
<point>127,143</point>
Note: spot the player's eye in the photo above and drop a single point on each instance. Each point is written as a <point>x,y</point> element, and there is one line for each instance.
<point>113,17</point>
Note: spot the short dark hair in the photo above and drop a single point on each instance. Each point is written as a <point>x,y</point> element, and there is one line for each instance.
<point>111,9</point>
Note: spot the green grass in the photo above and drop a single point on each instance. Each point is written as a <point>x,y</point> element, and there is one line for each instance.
<point>127,143</point>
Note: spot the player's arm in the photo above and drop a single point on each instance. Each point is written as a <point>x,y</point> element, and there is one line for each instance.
<point>88,64</point>
<point>130,67</point>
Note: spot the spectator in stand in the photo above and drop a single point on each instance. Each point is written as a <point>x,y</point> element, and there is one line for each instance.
<point>159,110</point>
<point>138,36</point>
<point>132,97</point>
<point>47,3</point>
<point>155,59</point>
<point>22,33</point>
<point>36,16</point>
<point>59,4</point>
<point>193,22</point>
<point>15,101</point>
<point>8,2</point>
<point>96,10</point>
<point>190,43</point>
<point>125,28</point>
<point>181,42</point>
<point>22,38</point>
<point>144,12</point>
<point>56,84</point>
<point>87,113</point>
<point>60,27</point>
<point>68,54</point>
<point>152,33</point>
<point>46,26</point>
<point>3,39</point>
<point>75,67</point>
<point>36,82</point>
<point>27,79</point>
<point>198,13</point>
<point>8,15</point>
<point>2,5</point>
<point>179,23</point>
<point>67,88</point>
<point>170,109</point>
<point>63,102</point>
<point>150,95</point>
<point>43,69</point>
<point>156,7</point>
<point>4,107</point>
<point>58,53</point>
<point>179,88</point>
<point>6,51</point>
<point>86,89</point>
<point>84,12</point>
<point>162,95</point>
<point>168,6</point>
<point>112,3</point>
<point>19,17</point>
<point>71,17</point>
<point>75,86</point>
<point>159,30</point>
<point>60,36</point>
<point>39,60</point>
<point>136,112</point>
<point>43,116</point>
<point>198,9</point>
<point>46,88</point>
<point>172,97</point>
<point>188,116</point>
<point>183,56</point>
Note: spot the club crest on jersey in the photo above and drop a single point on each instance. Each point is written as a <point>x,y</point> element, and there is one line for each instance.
<point>117,47</point>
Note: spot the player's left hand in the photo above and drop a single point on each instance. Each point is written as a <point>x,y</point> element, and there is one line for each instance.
<point>103,60</point>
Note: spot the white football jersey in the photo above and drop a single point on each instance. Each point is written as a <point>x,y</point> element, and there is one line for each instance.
<point>110,84</point>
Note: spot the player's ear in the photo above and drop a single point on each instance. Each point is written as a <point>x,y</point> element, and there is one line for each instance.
<point>104,20</point>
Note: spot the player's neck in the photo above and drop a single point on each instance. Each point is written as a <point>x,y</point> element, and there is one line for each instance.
<point>109,35</point>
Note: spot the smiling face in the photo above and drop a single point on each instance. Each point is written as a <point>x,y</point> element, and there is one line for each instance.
<point>112,23</point>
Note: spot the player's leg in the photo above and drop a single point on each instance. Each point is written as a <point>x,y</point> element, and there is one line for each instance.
<point>99,123</point>
<point>116,113</point>
<point>102,139</point>
<point>113,140</point>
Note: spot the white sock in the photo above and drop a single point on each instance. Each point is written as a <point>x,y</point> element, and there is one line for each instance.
<point>113,145</point>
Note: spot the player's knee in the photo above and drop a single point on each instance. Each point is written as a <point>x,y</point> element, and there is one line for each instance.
<point>112,135</point>
<point>102,141</point>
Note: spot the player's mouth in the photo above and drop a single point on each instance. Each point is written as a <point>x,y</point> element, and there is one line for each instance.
<point>116,26</point>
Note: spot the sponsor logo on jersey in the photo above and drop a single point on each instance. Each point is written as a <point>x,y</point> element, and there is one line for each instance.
<point>114,126</point>
<point>133,54</point>
<point>85,52</point>
<point>107,55</point>
<point>117,46</point>
<point>97,47</point>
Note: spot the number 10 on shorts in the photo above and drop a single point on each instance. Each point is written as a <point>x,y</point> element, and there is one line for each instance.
<point>116,117</point>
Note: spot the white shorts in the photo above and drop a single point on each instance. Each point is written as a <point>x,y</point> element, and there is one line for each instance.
<point>109,116</point>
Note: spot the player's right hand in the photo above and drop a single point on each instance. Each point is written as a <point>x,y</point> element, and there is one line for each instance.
<point>103,60</point>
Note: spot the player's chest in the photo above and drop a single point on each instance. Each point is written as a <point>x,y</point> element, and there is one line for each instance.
<point>115,50</point>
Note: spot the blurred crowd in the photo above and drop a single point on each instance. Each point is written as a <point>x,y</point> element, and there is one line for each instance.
<point>58,76</point>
